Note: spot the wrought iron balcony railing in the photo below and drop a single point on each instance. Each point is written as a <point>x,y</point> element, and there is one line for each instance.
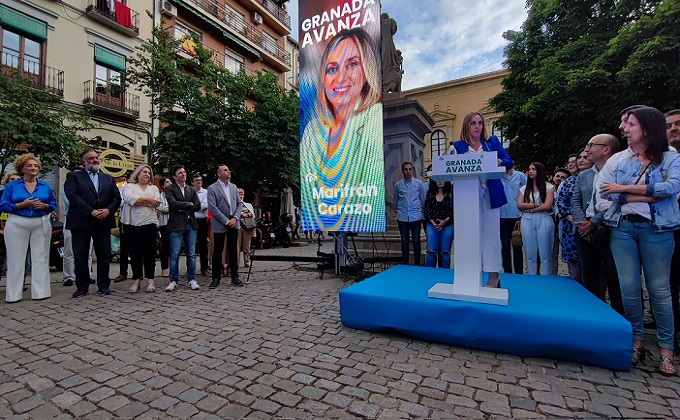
<point>277,11</point>
<point>119,17</point>
<point>41,76</point>
<point>111,98</point>
<point>239,25</point>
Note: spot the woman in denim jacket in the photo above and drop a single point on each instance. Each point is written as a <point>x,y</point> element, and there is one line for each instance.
<point>644,212</point>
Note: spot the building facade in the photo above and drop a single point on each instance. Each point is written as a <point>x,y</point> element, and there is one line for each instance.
<point>245,34</point>
<point>449,102</point>
<point>78,49</point>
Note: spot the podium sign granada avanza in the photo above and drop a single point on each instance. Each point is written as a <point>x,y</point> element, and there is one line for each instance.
<point>467,172</point>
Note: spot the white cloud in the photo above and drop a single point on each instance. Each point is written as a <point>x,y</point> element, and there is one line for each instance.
<point>448,39</point>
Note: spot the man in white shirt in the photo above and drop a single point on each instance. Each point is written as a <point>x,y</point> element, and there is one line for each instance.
<point>202,223</point>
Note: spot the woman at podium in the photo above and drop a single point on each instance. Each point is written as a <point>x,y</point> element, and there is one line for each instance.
<point>474,140</point>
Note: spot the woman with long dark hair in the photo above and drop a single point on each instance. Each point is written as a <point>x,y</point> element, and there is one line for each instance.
<point>439,217</point>
<point>535,200</point>
<point>642,183</point>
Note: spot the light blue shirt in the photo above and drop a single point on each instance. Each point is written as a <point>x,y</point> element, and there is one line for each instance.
<point>409,197</point>
<point>511,185</point>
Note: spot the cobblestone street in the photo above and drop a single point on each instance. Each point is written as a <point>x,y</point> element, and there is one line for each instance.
<point>276,348</point>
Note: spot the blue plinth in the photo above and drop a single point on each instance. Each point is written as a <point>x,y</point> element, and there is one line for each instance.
<point>547,316</point>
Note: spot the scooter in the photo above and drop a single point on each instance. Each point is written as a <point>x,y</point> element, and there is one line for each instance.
<point>283,231</point>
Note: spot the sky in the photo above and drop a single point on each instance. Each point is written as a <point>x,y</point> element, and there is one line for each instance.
<point>444,40</point>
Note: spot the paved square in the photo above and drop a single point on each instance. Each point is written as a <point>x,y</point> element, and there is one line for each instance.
<point>276,348</point>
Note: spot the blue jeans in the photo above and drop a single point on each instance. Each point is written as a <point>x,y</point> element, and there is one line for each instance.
<point>439,241</point>
<point>412,230</point>
<point>188,236</point>
<point>635,243</point>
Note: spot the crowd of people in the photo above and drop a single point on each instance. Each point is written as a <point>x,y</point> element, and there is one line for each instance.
<point>95,209</point>
<point>613,212</point>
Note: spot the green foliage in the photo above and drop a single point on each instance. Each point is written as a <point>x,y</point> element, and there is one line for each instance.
<point>37,121</point>
<point>575,65</point>
<point>210,116</point>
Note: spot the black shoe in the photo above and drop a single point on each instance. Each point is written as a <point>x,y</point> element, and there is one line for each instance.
<point>67,283</point>
<point>104,291</point>
<point>79,293</point>
<point>214,284</point>
<point>93,281</point>
<point>236,282</point>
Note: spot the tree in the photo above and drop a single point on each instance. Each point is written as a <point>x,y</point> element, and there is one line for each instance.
<point>36,121</point>
<point>575,65</point>
<point>210,115</point>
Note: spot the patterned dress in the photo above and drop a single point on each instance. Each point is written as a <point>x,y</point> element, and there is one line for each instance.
<point>567,231</point>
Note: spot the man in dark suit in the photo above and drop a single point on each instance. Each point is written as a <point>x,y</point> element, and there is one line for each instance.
<point>94,199</point>
<point>182,203</point>
<point>226,207</point>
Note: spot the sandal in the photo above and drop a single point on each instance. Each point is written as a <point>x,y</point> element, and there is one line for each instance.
<point>666,367</point>
<point>150,288</point>
<point>133,289</point>
<point>639,353</point>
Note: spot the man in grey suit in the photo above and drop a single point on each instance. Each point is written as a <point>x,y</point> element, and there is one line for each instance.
<point>226,208</point>
<point>183,203</point>
<point>592,239</point>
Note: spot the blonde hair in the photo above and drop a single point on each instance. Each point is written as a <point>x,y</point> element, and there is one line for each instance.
<point>371,92</point>
<point>138,169</point>
<point>465,129</point>
<point>240,191</point>
<point>8,175</point>
<point>20,161</point>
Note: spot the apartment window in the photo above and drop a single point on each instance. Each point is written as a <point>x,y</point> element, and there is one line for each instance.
<point>20,53</point>
<point>269,43</point>
<point>186,37</point>
<point>109,86</point>
<point>234,18</point>
<point>22,39</point>
<point>438,143</point>
<point>232,63</point>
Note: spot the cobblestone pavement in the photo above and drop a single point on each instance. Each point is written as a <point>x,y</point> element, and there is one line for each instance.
<point>276,348</point>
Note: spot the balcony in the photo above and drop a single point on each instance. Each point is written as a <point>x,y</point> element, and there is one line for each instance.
<point>272,48</point>
<point>111,99</point>
<point>281,19</point>
<point>42,77</point>
<point>122,18</point>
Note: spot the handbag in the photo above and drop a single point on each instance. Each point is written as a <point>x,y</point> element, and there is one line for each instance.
<point>517,235</point>
<point>248,223</point>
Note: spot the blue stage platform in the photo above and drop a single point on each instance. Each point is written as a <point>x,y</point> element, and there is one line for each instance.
<point>553,317</point>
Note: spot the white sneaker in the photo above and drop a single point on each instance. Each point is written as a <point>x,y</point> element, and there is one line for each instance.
<point>171,286</point>
<point>194,285</point>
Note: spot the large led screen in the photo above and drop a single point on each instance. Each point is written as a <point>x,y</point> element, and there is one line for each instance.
<point>341,128</point>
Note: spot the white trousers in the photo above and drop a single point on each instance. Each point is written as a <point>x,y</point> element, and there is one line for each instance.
<point>69,259</point>
<point>492,261</point>
<point>19,233</point>
<point>538,239</point>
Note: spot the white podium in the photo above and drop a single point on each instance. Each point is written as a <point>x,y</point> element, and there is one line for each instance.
<point>466,171</point>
